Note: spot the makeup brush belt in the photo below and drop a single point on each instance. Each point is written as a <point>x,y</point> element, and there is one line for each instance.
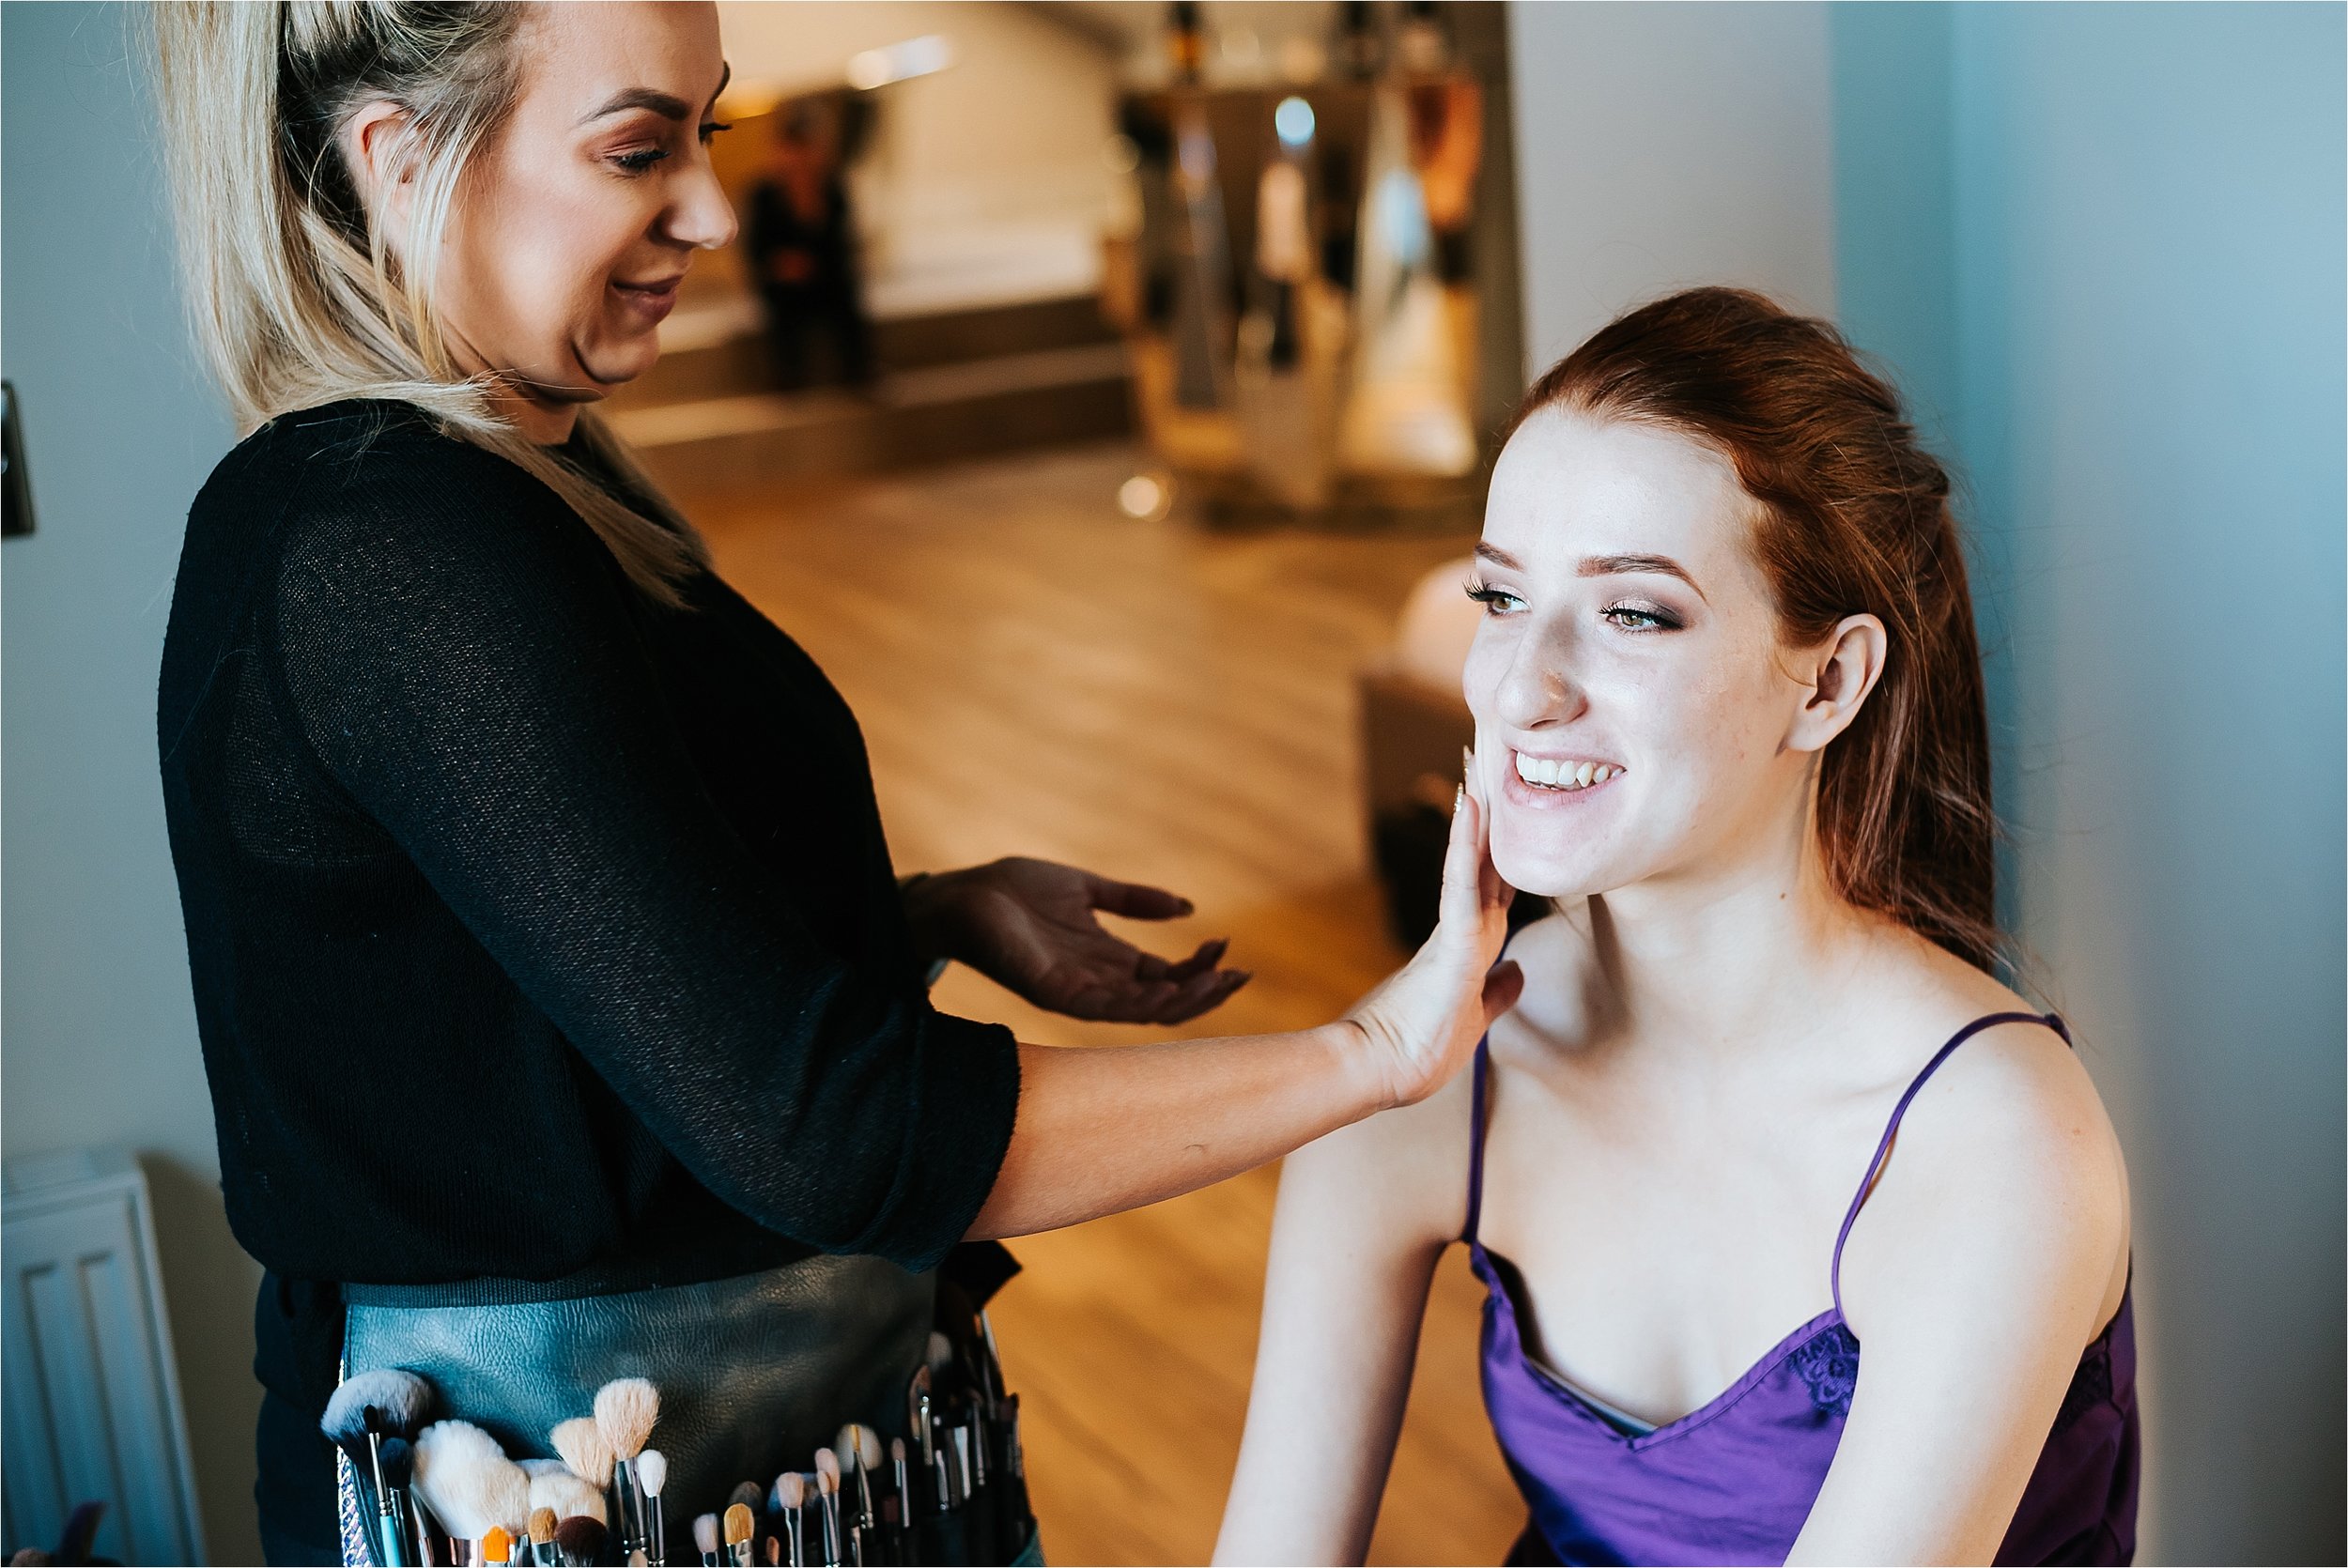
<point>754,1371</point>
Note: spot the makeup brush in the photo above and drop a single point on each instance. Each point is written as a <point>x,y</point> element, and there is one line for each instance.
<point>581,1444</point>
<point>497,1546</point>
<point>993,1365</point>
<point>404,1398</point>
<point>790,1497</point>
<point>902,1469</point>
<point>566,1496</point>
<point>706,1538</point>
<point>580,1541</point>
<point>827,1501</point>
<point>652,1473</point>
<point>917,1402</point>
<point>470,1484</point>
<point>362,1413</point>
<point>859,1453</point>
<point>626,1409</point>
<point>740,1525</point>
<point>541,1534</point>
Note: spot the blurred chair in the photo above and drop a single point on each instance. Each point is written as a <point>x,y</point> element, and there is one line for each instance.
<point>1415,725</point>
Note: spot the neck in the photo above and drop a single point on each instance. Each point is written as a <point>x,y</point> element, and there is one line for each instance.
<point>540,421</point>
<point>1717,957</point>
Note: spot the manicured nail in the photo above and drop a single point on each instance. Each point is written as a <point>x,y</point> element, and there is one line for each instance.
<point>1457,796</point>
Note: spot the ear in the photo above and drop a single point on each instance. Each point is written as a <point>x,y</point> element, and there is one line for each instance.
<point>1840,672</point>
<point>378,153</point>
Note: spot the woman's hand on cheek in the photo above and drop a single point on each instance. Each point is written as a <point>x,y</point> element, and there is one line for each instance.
<point>1422,1024</point>
<point>1031,927</point>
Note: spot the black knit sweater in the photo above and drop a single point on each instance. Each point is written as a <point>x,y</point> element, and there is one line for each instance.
<point>534,927</point>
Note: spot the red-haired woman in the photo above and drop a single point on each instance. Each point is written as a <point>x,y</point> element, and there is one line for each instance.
<point>1729,717</point>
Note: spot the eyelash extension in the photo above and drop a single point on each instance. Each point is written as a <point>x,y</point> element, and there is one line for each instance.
<point>637,162</point>
<point>712,126</point>
<point>1486,595</point>
<point>1662,618</point>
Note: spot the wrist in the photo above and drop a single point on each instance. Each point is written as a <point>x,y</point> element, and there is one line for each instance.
<point>1363,1068</point>
<point>929,900</point>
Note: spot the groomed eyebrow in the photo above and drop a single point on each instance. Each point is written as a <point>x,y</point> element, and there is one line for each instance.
<point>667,105</point>
<point>1602,565</point>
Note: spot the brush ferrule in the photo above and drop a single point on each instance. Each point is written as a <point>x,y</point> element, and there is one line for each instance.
<point>829,1502</point>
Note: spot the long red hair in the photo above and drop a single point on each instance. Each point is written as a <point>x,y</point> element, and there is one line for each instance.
<point>1853,517</point>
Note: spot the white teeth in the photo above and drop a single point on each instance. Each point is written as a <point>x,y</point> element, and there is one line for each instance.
<point>1551,772</point>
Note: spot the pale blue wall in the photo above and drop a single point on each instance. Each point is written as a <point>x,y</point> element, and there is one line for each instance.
<point>2108,241</point>
<point>98,1029</point>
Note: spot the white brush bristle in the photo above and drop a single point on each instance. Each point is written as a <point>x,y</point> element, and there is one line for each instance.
<point>705,1533</point>
<point>827,1470</point>
<point>941,1354</point>
<point>404,1398</point>
<point>628,1408</point>
<point>505,1492</point>
<point>463,1476</point>
<point>652,1471</point>
<point>790,1489</point>
<point>584,1449</point>
<point>536,1468</point>
<point>860,1442</point>
<point>896,1450</point>
<point>569,1496</point>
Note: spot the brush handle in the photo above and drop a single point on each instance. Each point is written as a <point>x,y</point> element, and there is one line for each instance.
<point>391,1529</point>
<point>627,1507</point>
<point>831,1504</point>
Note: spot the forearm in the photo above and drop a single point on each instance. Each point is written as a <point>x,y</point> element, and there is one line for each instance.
<point>1104,1129</point>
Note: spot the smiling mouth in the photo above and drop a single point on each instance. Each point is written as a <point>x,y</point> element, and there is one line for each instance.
<point>1564,775</point>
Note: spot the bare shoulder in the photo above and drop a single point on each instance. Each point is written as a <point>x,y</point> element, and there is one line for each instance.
<point>2014,1089</point>
<point>2008,1157</point>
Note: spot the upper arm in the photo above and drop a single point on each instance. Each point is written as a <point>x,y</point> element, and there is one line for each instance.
<point>1981,1269</point>
<point>1364,1216</point>
<point>461,654</point>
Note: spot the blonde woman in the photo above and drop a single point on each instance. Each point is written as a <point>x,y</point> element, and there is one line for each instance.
<point>549,962</point>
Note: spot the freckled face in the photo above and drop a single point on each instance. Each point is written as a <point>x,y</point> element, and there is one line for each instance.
<point>578,223</point>
<point>1631,694</point>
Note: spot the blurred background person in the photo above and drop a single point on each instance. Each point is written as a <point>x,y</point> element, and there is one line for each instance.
<point>803,252</point>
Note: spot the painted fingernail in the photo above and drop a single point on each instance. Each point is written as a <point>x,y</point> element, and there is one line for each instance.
<point>1457,796</point>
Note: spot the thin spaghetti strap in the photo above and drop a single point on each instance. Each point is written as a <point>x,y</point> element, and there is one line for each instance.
<point>1475,1139</point>
<point>1884,1145</point>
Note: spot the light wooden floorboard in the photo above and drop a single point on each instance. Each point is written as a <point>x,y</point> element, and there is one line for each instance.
<point>1037,674</point>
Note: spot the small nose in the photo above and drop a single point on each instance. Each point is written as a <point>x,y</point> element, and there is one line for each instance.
<point>1537,688</point>
<point>701,216</point>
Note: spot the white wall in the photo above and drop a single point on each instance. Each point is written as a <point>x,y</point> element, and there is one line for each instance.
<point>1661,145</point>
<point>100,1031</point>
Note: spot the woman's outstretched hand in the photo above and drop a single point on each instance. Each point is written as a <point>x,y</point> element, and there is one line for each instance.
<point>1424,1021</point>
<point>1031,926</point>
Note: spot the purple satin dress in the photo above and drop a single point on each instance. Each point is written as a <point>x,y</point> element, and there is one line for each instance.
<point>1734,1481</point>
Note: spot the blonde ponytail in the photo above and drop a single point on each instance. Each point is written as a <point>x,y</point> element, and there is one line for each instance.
<point>292,295</point>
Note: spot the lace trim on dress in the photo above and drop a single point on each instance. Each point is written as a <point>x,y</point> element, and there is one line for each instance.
<point>1829,1365</point>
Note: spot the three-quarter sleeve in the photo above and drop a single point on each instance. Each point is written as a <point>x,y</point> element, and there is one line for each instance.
<point>464,659</point>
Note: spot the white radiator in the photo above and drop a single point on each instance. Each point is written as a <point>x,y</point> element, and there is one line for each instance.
<point>92,1408</point>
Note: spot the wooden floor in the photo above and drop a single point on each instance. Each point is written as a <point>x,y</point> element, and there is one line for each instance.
<point>1038,674</point>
